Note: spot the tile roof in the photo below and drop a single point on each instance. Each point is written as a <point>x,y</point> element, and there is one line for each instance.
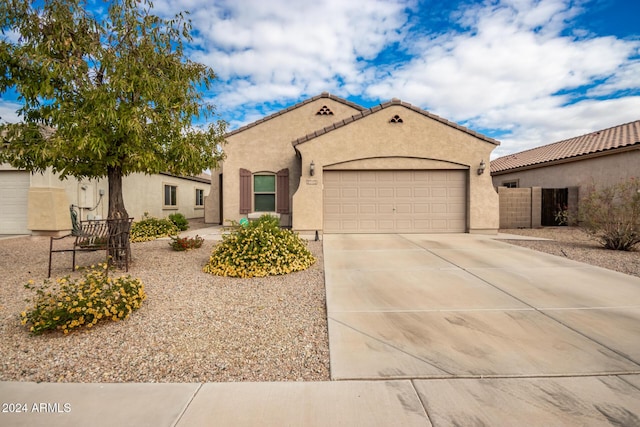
<point>613,138</point>
<point>203,177</point>
<point>293,107</point>
<point>394,101</point>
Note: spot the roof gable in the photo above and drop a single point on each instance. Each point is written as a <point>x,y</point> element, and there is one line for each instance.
<point>296,106</point>
<point>625,135</point>
<point>375,109</point>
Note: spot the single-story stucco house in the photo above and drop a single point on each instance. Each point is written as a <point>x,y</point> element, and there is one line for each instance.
<point>327,165</point>
<point>564,170</point>
<point>38,203</point>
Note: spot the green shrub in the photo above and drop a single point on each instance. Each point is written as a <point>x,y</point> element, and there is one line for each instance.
<point>150,228</point>
<point>561,215</point>
<point>70,303</point>
<point>611,215</point>
<point>185,243</point>
<point>259,249</point>
<point>179,221</point>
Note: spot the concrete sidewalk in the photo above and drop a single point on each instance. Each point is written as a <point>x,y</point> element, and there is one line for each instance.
<point>217,231</point>
<point>221,404</point>
<point>424,330</point>
<point>584,401</point>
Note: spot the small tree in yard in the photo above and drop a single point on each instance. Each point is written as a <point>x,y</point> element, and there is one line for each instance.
<point>612,215</point>
<point>104,94</point>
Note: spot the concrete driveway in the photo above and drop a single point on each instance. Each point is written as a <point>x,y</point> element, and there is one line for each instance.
<point>484,327</point>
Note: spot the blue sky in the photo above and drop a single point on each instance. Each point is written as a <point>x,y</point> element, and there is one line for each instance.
<point>526,72</point>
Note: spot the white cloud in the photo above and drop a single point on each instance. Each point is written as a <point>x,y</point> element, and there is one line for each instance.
<point>514,69</point>
<point>626,77</point>
<point>281,49</point>
<point>542,122</point>
<point>8,112</point>
<point>519,68</point>
<point>511,69</point>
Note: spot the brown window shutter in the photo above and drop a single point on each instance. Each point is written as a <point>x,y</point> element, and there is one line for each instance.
<point>245,191</point>
<point>282,191</point>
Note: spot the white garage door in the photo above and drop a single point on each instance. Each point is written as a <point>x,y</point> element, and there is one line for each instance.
<point>14,187</point>
<point>420,201</point>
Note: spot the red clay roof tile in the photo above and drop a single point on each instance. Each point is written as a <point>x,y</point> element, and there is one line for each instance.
<point>613,138</point>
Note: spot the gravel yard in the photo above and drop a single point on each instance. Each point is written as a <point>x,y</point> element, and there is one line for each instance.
<point>193,326</point>
<point>572,243</point>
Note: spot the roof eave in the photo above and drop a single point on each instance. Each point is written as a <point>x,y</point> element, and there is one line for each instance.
<point>326,95</point>
<point>188,178</point>
<point>572,159</point>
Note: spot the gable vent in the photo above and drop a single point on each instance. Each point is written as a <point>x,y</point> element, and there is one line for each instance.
<point>396,119</point>
<point>324,111</point>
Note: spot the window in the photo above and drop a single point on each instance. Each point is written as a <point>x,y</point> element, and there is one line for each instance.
<point>264,193</point>
<point>258,191</point>
<point>510,184</point>
<point>199,197</point>
<point>170,195</point>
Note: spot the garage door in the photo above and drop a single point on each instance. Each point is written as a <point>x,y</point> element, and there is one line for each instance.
<point>421,201</point>
<point>14,187</point>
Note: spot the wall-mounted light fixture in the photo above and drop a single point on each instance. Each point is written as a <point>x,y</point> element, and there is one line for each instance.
<point>481,167</point>
<point>312,168</point>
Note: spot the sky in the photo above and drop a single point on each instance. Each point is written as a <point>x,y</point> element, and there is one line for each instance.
<point>525,72</point>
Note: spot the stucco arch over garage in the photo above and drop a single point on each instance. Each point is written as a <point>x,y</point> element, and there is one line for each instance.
<point>395,136</point>
<point>393,162</point>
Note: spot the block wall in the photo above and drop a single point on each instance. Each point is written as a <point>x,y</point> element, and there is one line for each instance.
<point>520,207</point>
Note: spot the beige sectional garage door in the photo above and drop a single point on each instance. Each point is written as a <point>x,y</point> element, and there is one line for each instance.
<point>420,201</point>
<point>14,187</point>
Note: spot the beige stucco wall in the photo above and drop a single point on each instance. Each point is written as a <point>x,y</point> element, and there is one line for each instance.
<point>49,199</point>
<point>603,170</point>
<point>145,193</point>
<point>419,142</point>
<point>266,147</point>
<point>83,193</point>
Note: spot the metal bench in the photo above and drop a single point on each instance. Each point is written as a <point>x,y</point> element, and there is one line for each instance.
<point>111,235</point>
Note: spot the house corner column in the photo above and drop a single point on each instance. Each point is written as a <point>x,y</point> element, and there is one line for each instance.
<point>307,208</point>
<point>48,211</point>
<point>484,204</point>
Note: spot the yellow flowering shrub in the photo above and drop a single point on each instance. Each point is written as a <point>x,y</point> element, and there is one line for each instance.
<point>68,303</point>
<point>150,228</point>
<point>259,249</point>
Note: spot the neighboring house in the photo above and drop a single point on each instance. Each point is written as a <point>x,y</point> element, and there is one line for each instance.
<point>39,203</point>
<point>565,169</point>
<point>328,165</point>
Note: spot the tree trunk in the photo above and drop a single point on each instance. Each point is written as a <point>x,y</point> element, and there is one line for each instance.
<point>118,220</point>
<point>116,202</point>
